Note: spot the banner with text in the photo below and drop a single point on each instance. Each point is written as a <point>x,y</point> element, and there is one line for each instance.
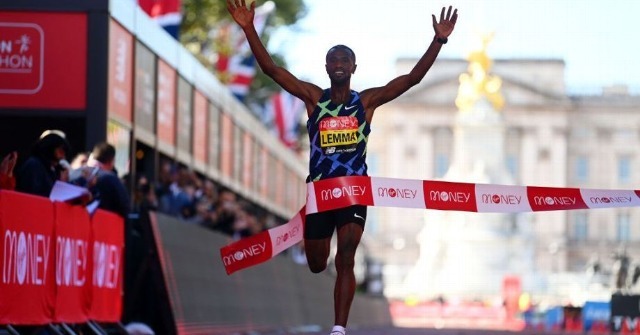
<point>27,250</point>
<point>341,192</point>
<point>58,263</point>
<point>72,248</point>
<point>107,253</point>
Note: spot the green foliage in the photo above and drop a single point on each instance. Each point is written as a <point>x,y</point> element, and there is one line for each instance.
<point>201,17</point>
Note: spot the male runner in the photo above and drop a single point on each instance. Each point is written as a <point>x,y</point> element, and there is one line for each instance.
<point>339,121</point>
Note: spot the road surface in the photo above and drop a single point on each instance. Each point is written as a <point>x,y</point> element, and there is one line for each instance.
<point>411,331</point>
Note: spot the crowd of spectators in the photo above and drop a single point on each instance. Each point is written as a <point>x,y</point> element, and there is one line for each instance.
<point>182,193</point>
<point>178,191</point>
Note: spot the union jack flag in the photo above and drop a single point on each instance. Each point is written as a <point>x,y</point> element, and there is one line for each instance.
<point>287,111</point>
<point>168,13</point>
<point>236,65</point>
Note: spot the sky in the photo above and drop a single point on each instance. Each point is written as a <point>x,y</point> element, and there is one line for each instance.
<point>597,39</point>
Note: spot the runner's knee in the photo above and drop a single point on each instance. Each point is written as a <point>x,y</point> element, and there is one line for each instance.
<point>317,263</point>
<point>318,266</point>
<point>345,260</point>
<point>317,252</point>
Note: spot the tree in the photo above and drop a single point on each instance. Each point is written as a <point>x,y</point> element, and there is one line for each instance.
<point>201,18</point>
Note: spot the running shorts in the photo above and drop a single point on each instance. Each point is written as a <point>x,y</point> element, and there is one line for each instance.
<point>321,225</point>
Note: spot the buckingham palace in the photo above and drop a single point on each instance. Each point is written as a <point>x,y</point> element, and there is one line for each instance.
<point>528,129</point>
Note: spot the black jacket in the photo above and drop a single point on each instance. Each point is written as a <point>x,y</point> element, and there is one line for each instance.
<point>112,194</point>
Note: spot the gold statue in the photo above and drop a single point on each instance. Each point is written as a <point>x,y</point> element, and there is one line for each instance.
<point>477,82</point>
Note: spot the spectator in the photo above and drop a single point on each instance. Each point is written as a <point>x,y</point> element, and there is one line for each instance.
<point>64,169</point>
<point>203,210</point>
<point>241,226</point>
<point>108,188</point>
<point>178,199</point>
<point>39,172</point>
<point>209,191</point>
<point>164,179</point>
<point>225,212</point>
<point>144,196</point>
<point>191,186</point>
<point>255,226</point>
<point>7,179</point>
<point>168,175</point>
<point>79,161</point>
<point>182,193</point>
<point>204,198</point>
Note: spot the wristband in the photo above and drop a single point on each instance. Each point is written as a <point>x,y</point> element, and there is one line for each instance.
<point>442,40</point>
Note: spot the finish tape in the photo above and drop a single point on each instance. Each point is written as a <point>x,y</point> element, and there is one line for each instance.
<point>341,192</point>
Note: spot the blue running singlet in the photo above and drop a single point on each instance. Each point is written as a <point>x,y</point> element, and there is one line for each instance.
<point>338,137</point>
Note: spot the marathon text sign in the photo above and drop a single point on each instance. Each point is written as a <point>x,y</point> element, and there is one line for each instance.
<point>43,60</point>
<point>21,57</point>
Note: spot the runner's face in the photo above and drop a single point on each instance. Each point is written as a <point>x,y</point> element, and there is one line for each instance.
<point>340,65</point>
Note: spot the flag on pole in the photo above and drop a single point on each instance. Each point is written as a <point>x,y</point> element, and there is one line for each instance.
<point>287,111</point>
<point>168,13</point>
<point>236,65</point>
<point>241,69</point>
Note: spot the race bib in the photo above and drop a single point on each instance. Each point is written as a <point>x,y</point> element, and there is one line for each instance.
<point>338,134</point>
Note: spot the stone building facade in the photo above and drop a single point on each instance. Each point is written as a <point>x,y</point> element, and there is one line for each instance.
<point>552,138</point>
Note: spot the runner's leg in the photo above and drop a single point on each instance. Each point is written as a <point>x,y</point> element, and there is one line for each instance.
<point>317,251</point>
<point>349,236</point>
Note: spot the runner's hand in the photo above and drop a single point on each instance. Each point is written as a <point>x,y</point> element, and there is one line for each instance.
<point>444,28</point>
<point>240,13</point>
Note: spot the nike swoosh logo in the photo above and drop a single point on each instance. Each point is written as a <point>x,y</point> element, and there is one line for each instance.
<point>348,108</point>
<point>358,216</point>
